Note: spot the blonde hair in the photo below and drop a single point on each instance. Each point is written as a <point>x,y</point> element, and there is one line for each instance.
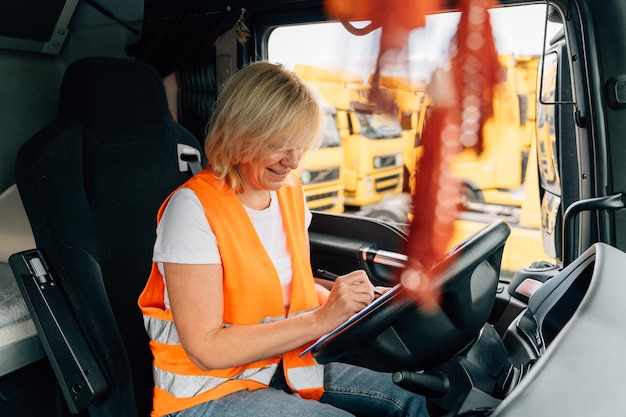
<point>262,109</point>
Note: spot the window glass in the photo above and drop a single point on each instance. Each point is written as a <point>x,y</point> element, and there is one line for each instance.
<point>380,149</point>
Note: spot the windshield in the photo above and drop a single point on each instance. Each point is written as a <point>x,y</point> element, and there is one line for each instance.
<point>331,132</point>
<point>500,182</point>
<point>379,125</point>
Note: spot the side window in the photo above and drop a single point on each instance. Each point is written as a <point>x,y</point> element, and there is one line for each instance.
<point>379,149</point>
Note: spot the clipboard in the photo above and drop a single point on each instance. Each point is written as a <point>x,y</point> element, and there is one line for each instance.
<point>383,299</point>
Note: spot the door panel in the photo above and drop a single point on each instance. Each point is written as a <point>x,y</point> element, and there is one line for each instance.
<point>342,243</point>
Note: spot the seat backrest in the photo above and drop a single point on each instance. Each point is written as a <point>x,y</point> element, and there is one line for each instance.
<point>91,183</point>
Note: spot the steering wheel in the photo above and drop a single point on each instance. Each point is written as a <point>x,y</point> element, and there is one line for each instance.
<point>393,334</point>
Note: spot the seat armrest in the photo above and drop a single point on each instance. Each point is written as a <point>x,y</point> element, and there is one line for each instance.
<point>73,363</point>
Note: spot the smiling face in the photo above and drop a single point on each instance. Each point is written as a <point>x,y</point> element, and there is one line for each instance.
<point>263,113</point>
<point>270,172</point>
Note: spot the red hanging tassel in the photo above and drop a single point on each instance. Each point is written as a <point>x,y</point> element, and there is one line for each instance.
<point>462,101</point>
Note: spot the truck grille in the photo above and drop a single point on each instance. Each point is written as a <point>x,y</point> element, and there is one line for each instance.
<point>387,183</point>
<point>332,196</point>
<point>324,175</point>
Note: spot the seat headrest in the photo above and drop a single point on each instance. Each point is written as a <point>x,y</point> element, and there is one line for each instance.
<point>92,91</point>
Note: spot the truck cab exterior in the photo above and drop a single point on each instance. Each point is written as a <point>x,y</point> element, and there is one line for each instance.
<point>371,139</point>
<point>321,172</point>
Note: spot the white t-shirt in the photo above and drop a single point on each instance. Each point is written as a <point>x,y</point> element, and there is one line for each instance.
<point>184,236</point>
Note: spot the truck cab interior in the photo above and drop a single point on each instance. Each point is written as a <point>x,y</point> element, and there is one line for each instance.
<point>104,106</point>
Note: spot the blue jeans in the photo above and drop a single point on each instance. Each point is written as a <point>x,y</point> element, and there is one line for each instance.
<point>348,391</point>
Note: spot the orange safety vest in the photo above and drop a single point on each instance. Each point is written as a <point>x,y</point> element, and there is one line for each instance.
<point>252,294</point>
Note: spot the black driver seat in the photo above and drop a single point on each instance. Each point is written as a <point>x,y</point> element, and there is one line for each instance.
<point>91,183</point>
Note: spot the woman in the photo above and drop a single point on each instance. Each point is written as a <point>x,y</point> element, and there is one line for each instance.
<point>231,301</point>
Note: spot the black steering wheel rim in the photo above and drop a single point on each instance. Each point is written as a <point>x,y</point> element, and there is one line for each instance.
<point>393,333</point>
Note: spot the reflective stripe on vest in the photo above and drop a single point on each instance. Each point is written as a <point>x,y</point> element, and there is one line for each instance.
<point>187,386</point>
<point>305,377</point>
<point>164,331</point>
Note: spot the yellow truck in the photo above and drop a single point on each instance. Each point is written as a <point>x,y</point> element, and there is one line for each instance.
<point>411,98</point>
<point>372,139</point>
<point>503,180</point>
<point>525,244</point>
<point>496,175</point>
<point>321,171</point>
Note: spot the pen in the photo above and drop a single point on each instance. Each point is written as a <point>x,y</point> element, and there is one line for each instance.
<point>333,276</point>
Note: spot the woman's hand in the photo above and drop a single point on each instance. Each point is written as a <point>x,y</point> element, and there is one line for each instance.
<point>350,294</point>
